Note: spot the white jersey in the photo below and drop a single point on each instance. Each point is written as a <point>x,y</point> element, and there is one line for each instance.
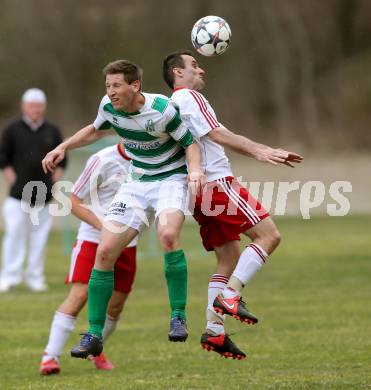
<point>200,118</point>
<point>154,137</point>
<point>97,185</point>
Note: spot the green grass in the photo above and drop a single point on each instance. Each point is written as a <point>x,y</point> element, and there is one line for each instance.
<point>313,300</point>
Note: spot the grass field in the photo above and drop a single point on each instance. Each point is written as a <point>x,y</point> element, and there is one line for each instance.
<point>313,299</point>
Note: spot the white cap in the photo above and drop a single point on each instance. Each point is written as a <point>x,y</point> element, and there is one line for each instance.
<point>34,95</point>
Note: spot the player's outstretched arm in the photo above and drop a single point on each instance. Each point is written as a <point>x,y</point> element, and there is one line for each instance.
<point>196,177</point>
<point>247,147</point>
<point>87,135</point>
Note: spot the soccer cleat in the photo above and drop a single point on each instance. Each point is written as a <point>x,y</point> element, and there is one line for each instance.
<point>50,367</point>
<point>234,307</point>
<point>221,344</point>
<point>101,362</point>
<point>178,329</point>
<point>89,345</point>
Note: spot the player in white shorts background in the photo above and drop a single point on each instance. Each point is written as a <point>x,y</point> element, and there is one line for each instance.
<point>226,209</point>
<point>163,153</point>
<point>92,194</point>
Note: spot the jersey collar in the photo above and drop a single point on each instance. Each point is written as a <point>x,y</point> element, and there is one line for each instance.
<point>122,153</point>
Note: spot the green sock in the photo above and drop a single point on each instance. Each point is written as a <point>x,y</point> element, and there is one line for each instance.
<point>176,278</point>
<point>100,289</point>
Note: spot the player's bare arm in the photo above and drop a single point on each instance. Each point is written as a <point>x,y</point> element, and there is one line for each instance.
<point>196,176</point>
<point>10,175</point>
<point>85,136</point>
<point>81,211</point>
<point>247,147</point>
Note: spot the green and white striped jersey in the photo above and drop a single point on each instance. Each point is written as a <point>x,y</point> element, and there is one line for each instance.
<point>154,137</point>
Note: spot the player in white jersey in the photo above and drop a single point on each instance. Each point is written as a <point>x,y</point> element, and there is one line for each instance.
<point>159,144</point>
<point>91,196</point>
<point>226,209</point>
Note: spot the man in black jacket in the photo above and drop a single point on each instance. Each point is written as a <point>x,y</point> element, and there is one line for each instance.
<point>23,145</point>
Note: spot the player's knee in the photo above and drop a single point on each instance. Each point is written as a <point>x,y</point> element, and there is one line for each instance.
<point>104,252</point>
<point>168,239</point>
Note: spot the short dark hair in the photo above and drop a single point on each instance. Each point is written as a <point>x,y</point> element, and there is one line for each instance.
<point>173,60</point>
<point>129,70</point>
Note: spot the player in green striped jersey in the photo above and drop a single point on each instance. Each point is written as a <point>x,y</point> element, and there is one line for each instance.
<point>163,153</point>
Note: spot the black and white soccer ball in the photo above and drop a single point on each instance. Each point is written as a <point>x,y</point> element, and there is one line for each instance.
<point>211,36</point>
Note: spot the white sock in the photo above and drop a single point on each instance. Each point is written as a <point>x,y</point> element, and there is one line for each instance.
<point>229,292</point>
<point>62,326</point>
<point>109,327</point>
<point>249,263</point>
<point>216,285</point>
<point>215,328</point>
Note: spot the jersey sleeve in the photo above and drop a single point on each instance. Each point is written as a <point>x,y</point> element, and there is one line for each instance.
<point>176,128</point>
<point>81,187</point>
<point>101,122</point>
<point>196,112</point>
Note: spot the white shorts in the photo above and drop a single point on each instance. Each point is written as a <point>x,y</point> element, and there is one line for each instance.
<point>138,203</point>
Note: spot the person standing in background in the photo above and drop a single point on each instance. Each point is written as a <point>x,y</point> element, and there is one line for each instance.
<point>23,144</point>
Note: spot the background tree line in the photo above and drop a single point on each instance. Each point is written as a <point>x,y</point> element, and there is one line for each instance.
<point>297,72</point>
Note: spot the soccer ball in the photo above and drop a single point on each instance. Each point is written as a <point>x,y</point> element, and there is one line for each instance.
<point>211,36</point>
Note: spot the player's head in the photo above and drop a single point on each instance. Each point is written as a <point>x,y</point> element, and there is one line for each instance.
<point>180,69</point>
<point>33,104</point>
<point>123,82</point>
